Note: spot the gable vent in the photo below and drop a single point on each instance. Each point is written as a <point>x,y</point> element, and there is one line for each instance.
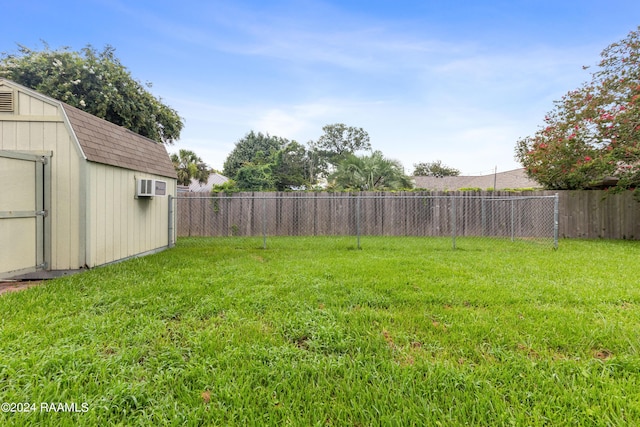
<point>6,102</point>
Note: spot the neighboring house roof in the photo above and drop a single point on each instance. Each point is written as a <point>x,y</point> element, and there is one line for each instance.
<point>516,178</point>
<point>107,143</point>
<point>214,179</point>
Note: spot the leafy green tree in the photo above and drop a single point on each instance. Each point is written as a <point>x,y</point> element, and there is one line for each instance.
<point>290,167</point>
<point>188,166</point>
<point>434,169</point>
<point>290,164</point>
<point>255,177</point>
<point>228,187</point>
<point>318,165</point>
<point>97,83</point>
<point>254,148</point>
<point>593,132</point>
<point>257,155</point>
<point>370,173</point>
<point>338,141</point>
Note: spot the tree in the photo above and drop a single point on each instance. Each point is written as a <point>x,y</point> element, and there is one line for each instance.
<point>290,164</point>
<point>97,83</point>
<point>318,165</point>
<point>252,177</point>
<point>290,167</point>
<point>263,162</point>
<point>434,169</point>
<point>188,166</point>
<point>593,131</point>
<point>370,173</point>
<point>254,148</point>
<point>339,140</point>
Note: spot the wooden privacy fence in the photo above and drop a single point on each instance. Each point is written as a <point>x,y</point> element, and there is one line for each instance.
<point>462,214</point>
<point>598,214</point>
<point>582,214</point>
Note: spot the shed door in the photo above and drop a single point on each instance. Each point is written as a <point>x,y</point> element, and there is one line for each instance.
<point>21,213</point>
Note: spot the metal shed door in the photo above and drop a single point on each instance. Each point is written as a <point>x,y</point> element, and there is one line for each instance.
<point>21,213</point>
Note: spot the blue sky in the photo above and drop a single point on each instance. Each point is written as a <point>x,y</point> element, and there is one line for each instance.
<point>456,81</point>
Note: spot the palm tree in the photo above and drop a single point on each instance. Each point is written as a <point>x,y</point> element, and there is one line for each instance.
<point>370,173</point>
<point>188,165</point>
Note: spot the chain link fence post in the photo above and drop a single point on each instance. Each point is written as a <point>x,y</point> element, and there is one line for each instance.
<point>264,223</point>
<point>453,221</point>
<point>358,220</point>
<point>556,220</point>
<point>513,223</point>
<point>172,239</point>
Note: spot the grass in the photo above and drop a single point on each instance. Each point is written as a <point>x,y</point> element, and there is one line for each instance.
<point>310,332</point>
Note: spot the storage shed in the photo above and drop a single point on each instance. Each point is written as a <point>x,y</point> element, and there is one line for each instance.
<point>76,191</point>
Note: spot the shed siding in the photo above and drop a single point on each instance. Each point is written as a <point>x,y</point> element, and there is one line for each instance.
<point>94,217</point>
<point>65,206</point>
<point>119,225</point>
<point>8,135</point>
<point>19,133</point>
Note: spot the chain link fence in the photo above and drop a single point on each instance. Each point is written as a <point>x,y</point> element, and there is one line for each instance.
<point>361,216</point>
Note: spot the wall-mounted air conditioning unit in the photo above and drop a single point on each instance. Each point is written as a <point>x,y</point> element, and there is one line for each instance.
<point>159,187</point>
<point>144,188</point>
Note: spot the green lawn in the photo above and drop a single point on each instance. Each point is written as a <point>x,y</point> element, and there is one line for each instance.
<point>313,332</point>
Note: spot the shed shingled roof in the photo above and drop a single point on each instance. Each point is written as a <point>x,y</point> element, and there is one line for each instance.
<point>107,143</point>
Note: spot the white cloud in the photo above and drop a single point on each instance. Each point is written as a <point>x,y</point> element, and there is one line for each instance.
<point>300,122</point>
<point>420,97</point>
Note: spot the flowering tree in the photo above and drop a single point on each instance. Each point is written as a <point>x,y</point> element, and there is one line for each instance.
<point>97,83</point>
<point>593,132</point>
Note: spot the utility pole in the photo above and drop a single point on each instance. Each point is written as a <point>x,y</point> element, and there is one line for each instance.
<point>495,177</point>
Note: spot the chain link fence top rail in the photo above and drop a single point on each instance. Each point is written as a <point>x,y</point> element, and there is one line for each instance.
<point>455,216</point>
